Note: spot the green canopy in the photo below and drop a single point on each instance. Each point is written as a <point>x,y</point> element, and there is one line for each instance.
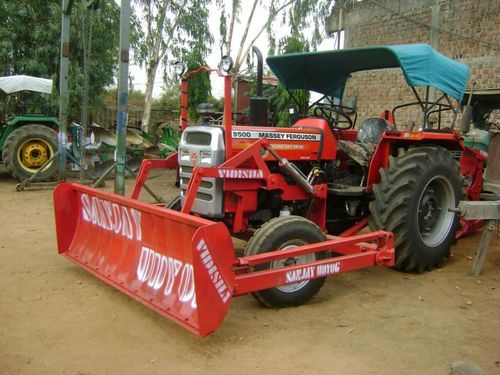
<point>326,72</point>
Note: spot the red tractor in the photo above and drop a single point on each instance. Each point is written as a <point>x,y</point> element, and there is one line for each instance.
<point>300,195</point>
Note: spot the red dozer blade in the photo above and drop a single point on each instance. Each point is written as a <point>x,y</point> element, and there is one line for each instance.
<point>176,264</point>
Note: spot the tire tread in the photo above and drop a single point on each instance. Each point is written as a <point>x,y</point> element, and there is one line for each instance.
<point>392,199</point>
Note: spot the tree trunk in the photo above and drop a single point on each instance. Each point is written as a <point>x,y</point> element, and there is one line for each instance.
<point>150,80</point>
<point>239,62</point>
<point>234,11</point>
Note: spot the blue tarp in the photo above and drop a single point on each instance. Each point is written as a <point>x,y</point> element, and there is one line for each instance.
<point>327,72</point>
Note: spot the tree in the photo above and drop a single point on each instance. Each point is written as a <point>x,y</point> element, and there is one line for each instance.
<point>173,29</point>
<point>104,52</point>
<point>305,21</point>
<point>300,16</point>
<point>30,35</point>
<point>280,100</point>
<point>199,88</point>
<point>135,98</point>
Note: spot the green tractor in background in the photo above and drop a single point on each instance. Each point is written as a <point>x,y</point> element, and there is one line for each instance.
<point>28,132</point>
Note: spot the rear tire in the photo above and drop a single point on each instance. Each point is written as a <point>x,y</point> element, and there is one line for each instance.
<point>284,233</point>
<point>27,148</point>
<point>413,200</point>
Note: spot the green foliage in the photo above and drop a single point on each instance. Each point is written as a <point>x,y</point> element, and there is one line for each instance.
<point>104,53</point>
<point>180,28</point>
<point>306,21</point>
<point>199,88</point>
<point>280,100</point>
<point>174,31</point>
<point>135,97</point>
<point>30,35</point>
<point>218,103</point>
<point>169,99</point>
<point>222,26</point>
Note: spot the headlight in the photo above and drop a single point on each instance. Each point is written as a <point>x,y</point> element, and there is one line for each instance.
<point>184,155</point>
<point>179,68</point>
<point>205,157</point>
<point>226,64</point>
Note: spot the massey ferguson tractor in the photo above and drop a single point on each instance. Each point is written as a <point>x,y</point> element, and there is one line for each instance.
<point>302,196</point>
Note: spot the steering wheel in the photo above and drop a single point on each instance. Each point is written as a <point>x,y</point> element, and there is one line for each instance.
<point>331,112</point>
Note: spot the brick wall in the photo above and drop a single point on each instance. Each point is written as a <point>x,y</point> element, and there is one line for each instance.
<point>385,22</point>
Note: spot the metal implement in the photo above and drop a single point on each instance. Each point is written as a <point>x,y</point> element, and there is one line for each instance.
<point>489,208</point>
<point>492,179</point>
<point>176,264</point>
<point>482,210</point>
<point>183,266</point>
<point>27,182</point>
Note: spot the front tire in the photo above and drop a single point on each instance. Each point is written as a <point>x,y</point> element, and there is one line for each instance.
<point>285,233</point>
<point>414,200</point>
<point>27,148</point>
<point>174,204</point>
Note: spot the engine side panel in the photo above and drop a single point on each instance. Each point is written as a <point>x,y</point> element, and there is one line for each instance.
<point>308,139</point>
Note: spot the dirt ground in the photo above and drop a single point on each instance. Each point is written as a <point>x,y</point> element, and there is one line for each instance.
<point>55,318</point>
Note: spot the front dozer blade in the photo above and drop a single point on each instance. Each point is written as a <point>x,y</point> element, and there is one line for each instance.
<point>178,265</point>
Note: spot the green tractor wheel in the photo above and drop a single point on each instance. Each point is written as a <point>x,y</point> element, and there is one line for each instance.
<point>27,149</point>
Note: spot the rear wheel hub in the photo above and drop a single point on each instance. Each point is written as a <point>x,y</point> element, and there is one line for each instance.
<point>428,210</point>
<point>34,153</point>
<point>434,218</point>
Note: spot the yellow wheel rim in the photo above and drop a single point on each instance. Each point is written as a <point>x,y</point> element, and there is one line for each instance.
<point>33,153</point>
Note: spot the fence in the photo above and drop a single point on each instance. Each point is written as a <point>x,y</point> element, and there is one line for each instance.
<point>106,117</point>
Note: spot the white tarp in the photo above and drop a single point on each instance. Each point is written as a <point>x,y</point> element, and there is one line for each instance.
<point>12,84</point>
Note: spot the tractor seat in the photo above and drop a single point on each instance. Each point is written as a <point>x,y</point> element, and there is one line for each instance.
<point>372,129</point>
<point>370,132</point>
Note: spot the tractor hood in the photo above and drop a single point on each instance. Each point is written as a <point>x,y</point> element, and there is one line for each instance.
<point>327,72</point>
<point>12,84</point>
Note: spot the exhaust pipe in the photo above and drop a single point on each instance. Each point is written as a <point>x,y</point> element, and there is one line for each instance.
<point>260,71</point>
<point>258,104</point>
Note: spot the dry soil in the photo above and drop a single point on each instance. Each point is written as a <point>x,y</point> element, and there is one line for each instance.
<point>55,318</point>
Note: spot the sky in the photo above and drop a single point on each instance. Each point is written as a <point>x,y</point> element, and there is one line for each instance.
<point>213,59</point>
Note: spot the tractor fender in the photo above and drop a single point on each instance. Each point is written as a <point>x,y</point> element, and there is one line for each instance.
<point>392,140</point>
<point>20,121</point>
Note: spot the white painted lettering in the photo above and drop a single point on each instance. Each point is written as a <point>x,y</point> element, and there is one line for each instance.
<point>300,274</point>
<point>328,269</point>
<point>162,271</point>
<point>240,173</point>
<point>214,273</point>
<point>111,217</point>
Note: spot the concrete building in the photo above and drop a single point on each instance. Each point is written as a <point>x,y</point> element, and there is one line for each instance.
<point>466,30</point>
